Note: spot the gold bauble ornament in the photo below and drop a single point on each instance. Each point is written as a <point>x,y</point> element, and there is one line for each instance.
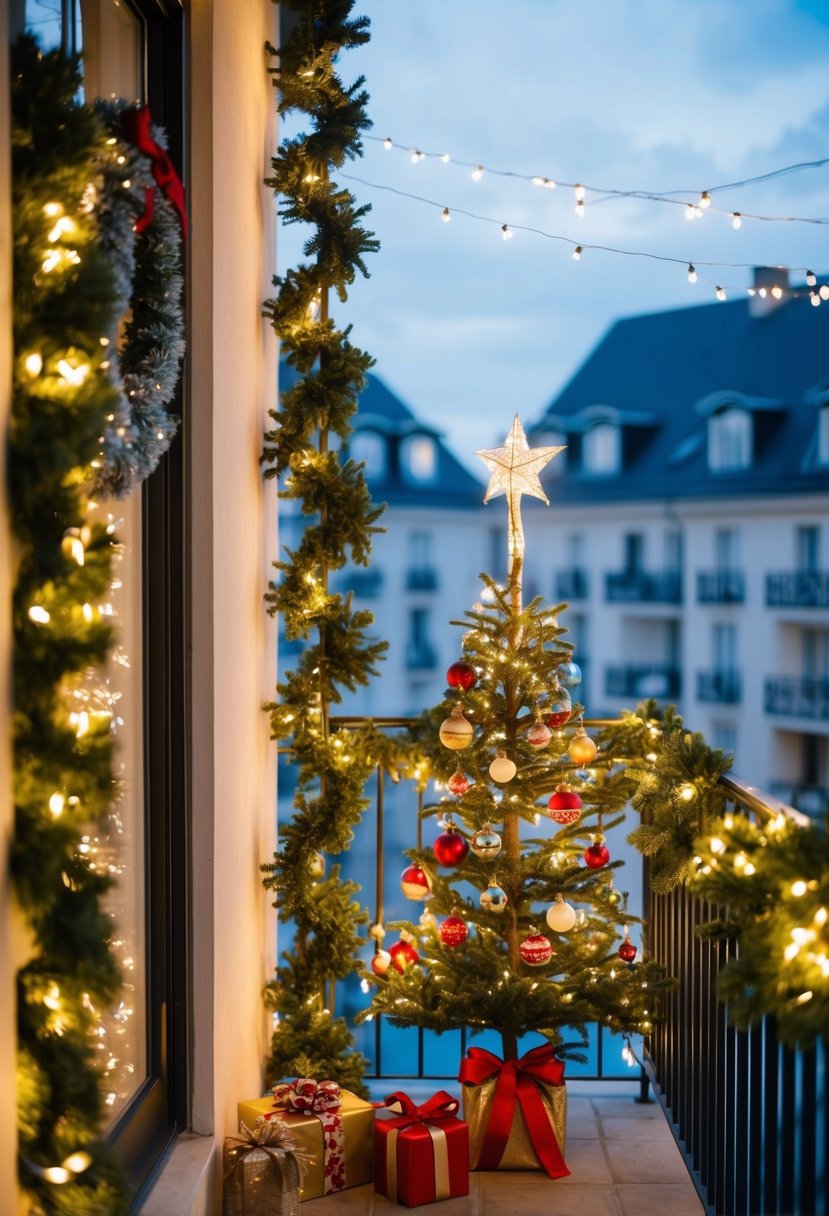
<point>455,732</point>
<point>582,749</point>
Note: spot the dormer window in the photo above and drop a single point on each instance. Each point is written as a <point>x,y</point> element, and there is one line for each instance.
<point>418,459</point>
<point>370,448</point>
<point>729,440</point>
<point>823,434</point>
<point>601,449</point>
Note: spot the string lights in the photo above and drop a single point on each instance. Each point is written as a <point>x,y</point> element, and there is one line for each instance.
<point>778,290</point>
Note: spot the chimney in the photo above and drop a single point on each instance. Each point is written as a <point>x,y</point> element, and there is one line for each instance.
<point>768,281</point>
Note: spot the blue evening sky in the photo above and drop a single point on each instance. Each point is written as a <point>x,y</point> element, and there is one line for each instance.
<point>651,95</point>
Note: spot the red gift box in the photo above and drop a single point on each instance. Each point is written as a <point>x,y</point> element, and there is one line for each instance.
<point>422,1155</point>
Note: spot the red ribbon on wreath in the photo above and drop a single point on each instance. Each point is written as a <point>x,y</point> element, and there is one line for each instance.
<point>517,1079</point>
<point>137,131</point>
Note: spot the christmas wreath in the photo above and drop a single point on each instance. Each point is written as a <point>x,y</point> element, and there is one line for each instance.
<point>138,204</point>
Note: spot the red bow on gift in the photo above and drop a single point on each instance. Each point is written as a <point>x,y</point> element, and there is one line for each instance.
<point>440,1106</point>
<point>137,131</point>
<point>517,1079</point>
<point>307,1096</point>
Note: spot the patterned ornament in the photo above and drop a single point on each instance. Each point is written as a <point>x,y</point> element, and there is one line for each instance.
<point>494,898</point>
<point>415,882</point>
<point>582,749</point>
<point>559,709</point>
<point>561,916</point>
<point>458,783</point>
<point>539,735</point>
<point>627,950</point>
<point>486,842</point>
<point>380,962</point>
<point>403,955</point>
<point>565,807</point>
<point>502,769</point>
<point>536,950</point>
<point>596,855</point>
<point>462,675</point>
<point>569,675</point>
<point>450,847</point>
<point>453,931</point>
<point>455,732</point>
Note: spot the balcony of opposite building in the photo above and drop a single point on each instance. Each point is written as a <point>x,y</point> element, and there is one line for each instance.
<point>643,681</point>
<point>721,587</point>
<point>798,697</point>
<point>642,587</point>
<point>723,687</point>
<point>572,584</point>
<point>798,589</point>
<point>421,578</point>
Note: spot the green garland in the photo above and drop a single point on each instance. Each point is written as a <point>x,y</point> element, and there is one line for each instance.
<point>332,769</point>
<point>88,418</point>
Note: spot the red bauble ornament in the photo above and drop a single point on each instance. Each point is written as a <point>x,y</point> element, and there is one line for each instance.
<point>403,955</point>
<point>458,784</point>
<point>536,950</point>
<point>414,882</point>
<point>596,855</point>
<point>380,962</point>
<point>453,931</point>
<point>627,951</point>
<point>450,848</point>
<point>462,675</point>
<point>565,806</point>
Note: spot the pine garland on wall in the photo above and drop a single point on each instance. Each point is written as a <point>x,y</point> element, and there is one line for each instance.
<point>305,449</point>
<point>89,417</point>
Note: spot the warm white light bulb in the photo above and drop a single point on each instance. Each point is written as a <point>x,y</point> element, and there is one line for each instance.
<point>446,158</point>
<point>579,191</point>
<point>824,292</point>
<point>550,184</point>
<point>39,615</point>
<point>705,199</point>
<point>416,156</point>
<point>388,143</point>
<point>720,293</point>
<point>692,273</point>
<point>506,232</point>
<point>33,364</point>
<point>538,181</point>
<point>56,804</point>
<point>814,299</point>
<point>690,212</point>
<point>446,215</point>
<point>736,220</point>
<point>811,278</point>
<point>577,252</point>
<point>477,173</point>
<point>799,888</point>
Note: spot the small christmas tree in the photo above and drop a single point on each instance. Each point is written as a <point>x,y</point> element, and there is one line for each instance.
<point>523,932</point>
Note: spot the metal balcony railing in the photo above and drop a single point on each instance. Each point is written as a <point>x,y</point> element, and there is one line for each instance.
<point>365,584</point>
<point>422,578</point>
<point>798,589</point>
<point>643,680</point>
<point>572,584</point>
<point>794,697</point>
<point>638,587</point>
<point>721,686</point>
<point>721,586</point>
<point>749,1115</point>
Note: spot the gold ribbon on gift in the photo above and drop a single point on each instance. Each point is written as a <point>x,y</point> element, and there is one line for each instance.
<point>270,1136</point>
<point>441,1154</point>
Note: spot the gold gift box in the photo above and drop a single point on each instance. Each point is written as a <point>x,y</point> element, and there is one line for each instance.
<point>358,1133</point>
<point>519,1153</point>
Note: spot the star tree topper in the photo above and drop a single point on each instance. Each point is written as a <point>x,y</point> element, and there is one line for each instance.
<point>515,468</point>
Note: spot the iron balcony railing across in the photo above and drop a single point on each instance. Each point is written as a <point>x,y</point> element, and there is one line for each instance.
<point>798,589</point>
<point>749,1115</point>
<point>641,587</point>
<point>721,586</point>
<point>722,685</point>
<point>798,697</point>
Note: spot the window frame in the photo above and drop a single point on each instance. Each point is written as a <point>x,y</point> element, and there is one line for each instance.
<point>602,449</point>
<point>730,440</point>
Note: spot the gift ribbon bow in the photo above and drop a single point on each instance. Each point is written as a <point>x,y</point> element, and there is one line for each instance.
<point>517,1079</point>
<point>273,1138</point>
<point>137,131</point>
<point>440,1107</point>
<point>305,1096</point>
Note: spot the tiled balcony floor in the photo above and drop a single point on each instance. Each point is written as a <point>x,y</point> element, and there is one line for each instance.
<point>622,1160</point>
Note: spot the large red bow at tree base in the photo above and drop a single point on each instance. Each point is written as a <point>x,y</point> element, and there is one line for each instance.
<point>517,1079</point>
<point>137,131</point>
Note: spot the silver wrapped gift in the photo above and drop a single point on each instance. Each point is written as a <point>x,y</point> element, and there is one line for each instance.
<point>262,1170</point>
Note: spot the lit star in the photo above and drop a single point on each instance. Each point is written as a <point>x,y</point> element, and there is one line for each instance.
<point>515,468</point>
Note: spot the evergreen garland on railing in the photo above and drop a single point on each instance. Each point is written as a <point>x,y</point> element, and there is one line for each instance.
<point>305,448</point>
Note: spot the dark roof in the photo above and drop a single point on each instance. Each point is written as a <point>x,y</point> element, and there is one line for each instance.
<point>661,375</point>
<point>382,412</point>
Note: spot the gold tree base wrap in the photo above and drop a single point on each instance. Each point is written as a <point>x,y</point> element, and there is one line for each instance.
<point>358,1125</point>
<point>519,1153</point>
<point>261,1173</point>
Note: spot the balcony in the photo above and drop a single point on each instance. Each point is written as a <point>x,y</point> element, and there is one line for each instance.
<point>572,584</point>
<point>812,800</point>
<point>722,687</point>
<point>643,680</point>
<point>422,578</point>
<point>638,587</point>
<point>420,656</point>
<point>720,587</point>
<point>798,589</point>
<point>365,584</point>
<point>798,697</point>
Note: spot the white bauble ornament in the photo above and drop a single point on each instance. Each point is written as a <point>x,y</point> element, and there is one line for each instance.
<point>502,769</point>
<point>561,916</point>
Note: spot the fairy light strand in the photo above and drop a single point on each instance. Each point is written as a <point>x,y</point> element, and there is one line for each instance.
<point>509,229</point>
<point>694,210</point>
